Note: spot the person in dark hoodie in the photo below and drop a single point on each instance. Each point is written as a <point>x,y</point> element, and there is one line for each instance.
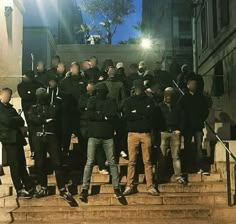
<point>13,141</point>
<point>41,74</point>
<point>171,133</point>
<point>102,112</point>
<point>26,90</point>
<point>139,111</point>
<point>72,87</point>
<point>42,117</point>
<point>196,110</point>
<point>53,70</point>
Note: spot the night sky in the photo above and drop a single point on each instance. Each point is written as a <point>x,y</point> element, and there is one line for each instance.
<point>126,30</point>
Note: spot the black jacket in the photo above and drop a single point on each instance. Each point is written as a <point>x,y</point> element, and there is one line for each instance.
<point>116,90</point>
<point>92,74</point>
<point>42,78</point>
<point>27,92</point>
<point>102,114</point>
<point>38,114</point>
<point>195,109</point>
<point>10,124</point>
<point>173,117</point>
<point>139,112</point>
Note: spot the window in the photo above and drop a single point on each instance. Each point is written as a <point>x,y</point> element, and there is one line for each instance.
<point>218,80</point>
<point>224,13</point>
<point>204,27</point>
<point>215,17</point>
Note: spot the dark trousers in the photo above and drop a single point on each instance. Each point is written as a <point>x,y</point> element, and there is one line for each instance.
<point>193,154</point>
<point>29,131</point>
<point>17,163</point>
<point>43,145</point>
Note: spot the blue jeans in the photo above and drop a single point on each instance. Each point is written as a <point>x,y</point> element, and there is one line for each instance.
<point>108,147</point>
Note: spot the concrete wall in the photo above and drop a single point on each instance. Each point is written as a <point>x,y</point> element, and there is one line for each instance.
<point>11,43</point>
<point>222,47</point>
<point>126,53</point>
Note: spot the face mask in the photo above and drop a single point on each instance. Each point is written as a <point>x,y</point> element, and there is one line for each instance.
<point>43,99</point>
<point>141,70</point>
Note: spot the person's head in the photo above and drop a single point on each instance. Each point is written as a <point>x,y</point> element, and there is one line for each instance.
<point>138,87</point>
<point>42,96</point>
<point>75,68</point>
<point>5,95</point>
<point>169,95</point>
<point>94,61</point>
<point>158,65</point>
<point>111,71</point>
<point>90,87</point>
<point>133,68</point>
<point>28,76</point>
<point>120,68</point>
<point>142,67</point>
<point>61,68</point>
<point>52,82</point>
<point>86,65</point>
<point>101,90</point>
<point>40,66</point>
<point>185,68</point>
<point>55,61</point>
<point>106,64</point>
<point>192,84</point>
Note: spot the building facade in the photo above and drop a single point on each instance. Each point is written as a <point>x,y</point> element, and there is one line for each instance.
<point>11,36</point>
<point>216,54</point>
<point>170,21</point>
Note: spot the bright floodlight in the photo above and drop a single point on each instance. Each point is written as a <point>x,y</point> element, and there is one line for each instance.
<point>146,43</point>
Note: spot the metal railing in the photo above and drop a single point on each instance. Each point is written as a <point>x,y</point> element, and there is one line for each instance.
<point>229,154</point>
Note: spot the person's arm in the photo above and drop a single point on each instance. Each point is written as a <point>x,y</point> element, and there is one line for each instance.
<point>130,114</point>
<point>11,121</point>
<point>25,94</point>
<point>35,118</point>
<point>93,113</point>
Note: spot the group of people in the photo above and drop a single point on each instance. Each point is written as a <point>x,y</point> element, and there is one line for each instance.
<point>112,114</point>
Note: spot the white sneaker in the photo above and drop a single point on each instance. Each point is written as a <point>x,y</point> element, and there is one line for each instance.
<point>104,171</point>
<point>123,154</point>
<point>205,173</point>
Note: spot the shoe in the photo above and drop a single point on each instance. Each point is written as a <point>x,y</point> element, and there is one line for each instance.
<point>83,195</point>
<point>42,192</point>
<point>152,191</point>
<point>118,193</point>
<point>123,154</point>
<point>66,196</point>
<point>129,191</point>
<point>205,173</point>
<point>104,171</point>
<point>23,194</point>
<point>181,180</point>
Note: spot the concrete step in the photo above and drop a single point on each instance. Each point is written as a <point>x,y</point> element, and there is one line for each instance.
<point>6,190</point>
<point>55,214</point>
<point>110,200</point>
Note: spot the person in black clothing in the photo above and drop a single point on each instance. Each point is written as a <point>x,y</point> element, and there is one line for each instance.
<point>106,64</point>
<point>133,75</point>
<point>55,98</point>
<point>195,108</point>
<point>53,70</point>
<point>42,117</point>
<point>61,72</point>
<point>72,87</point>
<point>139,111</point>
<point>13,141</point>
<point>171,133</point>
<point>183,78</point>
<point>162,77</point>
<point>27,89</point>
<point>41,75</point>
<point>102,112</point>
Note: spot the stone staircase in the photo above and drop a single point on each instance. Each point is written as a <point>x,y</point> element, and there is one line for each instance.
<point>203,200</point>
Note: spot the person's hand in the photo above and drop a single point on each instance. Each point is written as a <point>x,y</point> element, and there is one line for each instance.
<point>101,78</point>
<point>133,111</point>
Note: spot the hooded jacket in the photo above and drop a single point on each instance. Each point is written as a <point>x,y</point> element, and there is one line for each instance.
<point>102,113</point>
